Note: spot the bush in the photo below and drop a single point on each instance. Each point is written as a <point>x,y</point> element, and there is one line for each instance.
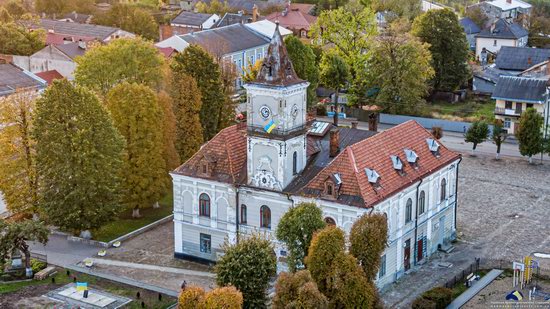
<point>321,110</point>
<point>226,297</point>
<point>191,297</point>
<point>441,296</point>
<point>37,265</point>
<point>437,132</point>
<point>423,303</point>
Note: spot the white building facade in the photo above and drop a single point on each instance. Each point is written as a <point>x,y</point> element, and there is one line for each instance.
<point>249,175</point>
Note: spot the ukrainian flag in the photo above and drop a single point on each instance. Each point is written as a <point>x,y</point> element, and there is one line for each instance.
<point>270,126</point>
<point>81,286</point>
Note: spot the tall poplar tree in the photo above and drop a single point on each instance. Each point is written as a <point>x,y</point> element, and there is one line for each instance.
<point>303,61</point>
<point>200,65</point>
<point>138,116</point>
<point>529,133</point>
<point>79,158</point>
<point>170,153</point>
<point>187,106</point>
<point>18,180</point>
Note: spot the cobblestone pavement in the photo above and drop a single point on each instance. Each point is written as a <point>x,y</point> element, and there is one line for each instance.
<point>503,213</point>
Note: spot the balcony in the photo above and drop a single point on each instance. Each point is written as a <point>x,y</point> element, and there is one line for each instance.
<point>277,133</point>
<point>507,112</point>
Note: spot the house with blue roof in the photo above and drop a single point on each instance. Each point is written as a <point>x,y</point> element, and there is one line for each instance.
<point>500,33</point>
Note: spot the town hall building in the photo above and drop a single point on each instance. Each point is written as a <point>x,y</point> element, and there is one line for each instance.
<point>245,178</point>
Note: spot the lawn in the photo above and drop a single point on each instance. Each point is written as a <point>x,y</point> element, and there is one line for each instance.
<point>125,223</point>
<point>461,287</point>
<point>462,111</point>
<point>10,292</point>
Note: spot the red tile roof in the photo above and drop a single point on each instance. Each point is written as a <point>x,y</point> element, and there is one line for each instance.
<point>294,19</point>
<point>374,153</point>
<point>167,52</point>
<point>49,76</point>
<point>58,38</point>
<point>227,152</point>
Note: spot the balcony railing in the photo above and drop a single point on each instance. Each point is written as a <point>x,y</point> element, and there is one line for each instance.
<point>277,132</point>
<point>507,112</point>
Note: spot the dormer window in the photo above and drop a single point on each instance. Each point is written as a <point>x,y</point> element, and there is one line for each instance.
<point>397,163</point>
<point>433,145</point>
<point>412,157</point>
<point>372,175</point>
<point>204,167</point>
<point>329,188</point>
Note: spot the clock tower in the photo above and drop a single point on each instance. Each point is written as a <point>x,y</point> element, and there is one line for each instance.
<point>276,120</point>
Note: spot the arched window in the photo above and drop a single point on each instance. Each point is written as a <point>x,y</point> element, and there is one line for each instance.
<point>265,217</point>
<point>204,205</point>
<point>330,221</point>
<point>408,211</point>
<point>295,163</point>
<point>421,203</point>
<point>243,214</point>
<point>443,189</point>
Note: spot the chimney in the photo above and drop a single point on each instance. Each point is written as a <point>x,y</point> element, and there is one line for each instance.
<point>529,61</point>
<point>354,124</point>
<point>334,142</point>
<point>254,13</point>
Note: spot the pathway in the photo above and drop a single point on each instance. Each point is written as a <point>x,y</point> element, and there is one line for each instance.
<point>154,267</point>
<point>472,291</point>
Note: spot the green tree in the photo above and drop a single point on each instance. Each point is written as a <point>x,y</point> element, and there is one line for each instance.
<point>15,39</point>
<point>79,158</point>
<point>408,9</point>
<point>334,74</point>
<point>476,134</point>
<point>448,46</point>
<point>187,106</point>
<point>325,246</point>
<point>348,285</point>
<point>248,265</point>
<point>15,9</point>
<point>214,7</point>
<point>200,65</point>
<point>131,60</point>
<point>18,179</point>
<point>5,16</point>
<point>137,115</point>
<point>498,136</point>
<point>303,60</point>
<point>251,71</point>
<point>368,238</point>
<point>400,68</point>
<point>169,153</point>
<point>296,229</point>
<point>350,33</point>
<point>14,236</point>
<point>298,290</point>
<point>529,133</point>
<point>53,8</point>
<point>130,18</point>
<point>477,15</point>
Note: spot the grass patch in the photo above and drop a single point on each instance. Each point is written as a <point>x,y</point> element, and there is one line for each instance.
<point>125,223</point>
<point>471,110</point>
<point>460,287</point>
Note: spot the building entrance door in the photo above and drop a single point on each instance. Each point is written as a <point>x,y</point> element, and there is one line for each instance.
<point>407,255</point>
<point>420,250</point>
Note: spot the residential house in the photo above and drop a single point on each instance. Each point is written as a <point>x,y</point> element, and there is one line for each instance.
<point>515,94</point>
<point>500,33</point>
<point>296,17</point>
<point>58,57</point>
<point>431,5</point>
<point>510,61</point>
<point>244,179</point>
<point>236,18</point>
<point>59,32</point>
<point>471,29</point>
<point>191,22</point>
<point>75,17</point>
<point>510,10</point>
<point>247,6</point>
<point>238,43</point>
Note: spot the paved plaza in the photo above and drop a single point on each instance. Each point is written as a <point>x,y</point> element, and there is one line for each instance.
<point>503,214</point>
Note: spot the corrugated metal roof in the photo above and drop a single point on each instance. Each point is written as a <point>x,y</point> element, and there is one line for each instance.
<point>13,78</point>
<point>228,39</point>
<point>469,26</point>
<point>520,58</point>
<point>76,29</point>
<point>521,89</point>
<point>190,18</point>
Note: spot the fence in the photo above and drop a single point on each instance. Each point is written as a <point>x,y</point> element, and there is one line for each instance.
<point>482,263</point>
<point>39,256</point>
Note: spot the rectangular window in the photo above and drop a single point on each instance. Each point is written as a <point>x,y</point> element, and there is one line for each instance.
<point>508,105</point>
<point>507,123</point>
<point>519,107</point>
<point>382,270</point>
<point>206,243</point>
<point>529,105</point>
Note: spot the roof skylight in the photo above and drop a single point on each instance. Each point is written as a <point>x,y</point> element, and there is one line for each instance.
<point>412,157</point>
<point>372,175</point>
<point>397,163</point>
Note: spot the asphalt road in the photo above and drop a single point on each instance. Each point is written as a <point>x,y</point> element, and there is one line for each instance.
<point>61,252</point>
<point>455,141</point>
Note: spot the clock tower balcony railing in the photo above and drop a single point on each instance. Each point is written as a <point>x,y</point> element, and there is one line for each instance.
<point>277,133</point>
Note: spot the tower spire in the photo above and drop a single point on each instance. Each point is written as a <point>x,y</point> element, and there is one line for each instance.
<point>277,69</point>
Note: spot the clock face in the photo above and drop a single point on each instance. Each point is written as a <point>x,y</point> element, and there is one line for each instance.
<point>294,111</point>
<point>265,112</point>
